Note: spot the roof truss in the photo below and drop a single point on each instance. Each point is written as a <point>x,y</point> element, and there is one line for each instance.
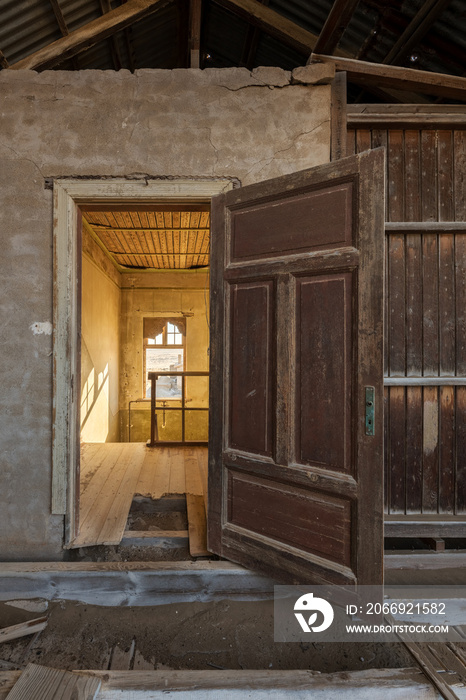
<point>390,83</point>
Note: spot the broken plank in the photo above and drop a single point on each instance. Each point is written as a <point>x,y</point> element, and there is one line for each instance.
<point>122,659</point>
<point>176,469</point>
<point>197,526</point>
<point>53,684</point>
<point>23,629</point>
<point>427,661</point>
<point>140,663</point>
<point>153,534</point>
<point>160,483</point>
<point>193,477</point>
<point>117,515</point>
<point>202,455</point>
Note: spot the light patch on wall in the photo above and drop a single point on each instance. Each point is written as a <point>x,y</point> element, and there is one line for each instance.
<point>95,407</point>
<point>41,328</point>
<point>430,432</point>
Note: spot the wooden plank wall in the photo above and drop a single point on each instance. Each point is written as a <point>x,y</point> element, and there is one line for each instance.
<point>425,318</point>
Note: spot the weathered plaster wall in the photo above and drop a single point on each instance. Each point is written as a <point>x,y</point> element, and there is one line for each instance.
<point>162,123</point>
<point>168,293</point>
<point>100,336</point>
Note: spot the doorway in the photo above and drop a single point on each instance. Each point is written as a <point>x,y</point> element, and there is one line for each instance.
<point>144,362</point>
<point>108,355</point>
<point>297,311</point>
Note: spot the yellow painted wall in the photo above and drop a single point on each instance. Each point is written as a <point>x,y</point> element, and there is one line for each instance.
<point>99,354</point>
<point>163,293</point>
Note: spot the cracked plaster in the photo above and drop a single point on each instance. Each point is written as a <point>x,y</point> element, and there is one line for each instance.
<point>248,126</point>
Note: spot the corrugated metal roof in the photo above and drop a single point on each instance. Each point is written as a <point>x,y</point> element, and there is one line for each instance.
<point>154,42</point>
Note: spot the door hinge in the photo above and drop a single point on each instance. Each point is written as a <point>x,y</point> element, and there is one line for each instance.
<point>370,392</point>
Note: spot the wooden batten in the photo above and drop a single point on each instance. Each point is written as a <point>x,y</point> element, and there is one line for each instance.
<point>406,116</point>
<point>369,74</point>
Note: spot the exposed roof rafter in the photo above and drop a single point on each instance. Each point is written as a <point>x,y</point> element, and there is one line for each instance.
<point>57,11</point>
<point>3,62</point>
<point>335,25</point>
<point>90,34</point>
<point>106,7</point>
<point>384,76</point>
<point>195,17</point>
<point>273,23</point>
<point>251,43</point>
<point>416,30</point>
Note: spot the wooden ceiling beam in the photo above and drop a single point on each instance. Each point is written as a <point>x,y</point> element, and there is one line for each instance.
<point>90,34</point>
<point>273,23</point>
<point>105,8</point>
<point>416,30</point>
<point>57,11</point>
<point>335,24</point>
<point>3,61</point>
<point>384,76</point>
<point>59,16</point>
<point>251,44</point>
<point>195,19</point>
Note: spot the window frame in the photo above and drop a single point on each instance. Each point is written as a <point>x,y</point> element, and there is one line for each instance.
<point>163,346</point>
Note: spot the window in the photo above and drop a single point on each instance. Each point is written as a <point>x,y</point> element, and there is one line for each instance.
<point>164,350</point>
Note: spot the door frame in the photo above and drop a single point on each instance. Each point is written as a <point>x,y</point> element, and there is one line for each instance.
<point>68,194</point>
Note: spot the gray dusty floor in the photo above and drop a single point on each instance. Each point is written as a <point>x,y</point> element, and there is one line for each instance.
<point>225,634</point>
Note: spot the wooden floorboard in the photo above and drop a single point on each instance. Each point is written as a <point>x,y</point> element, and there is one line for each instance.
<point>193,476</point>
<point>202,461</point>
<point>177,470</point>
<point>106,500</point>
<point>197,526</point>
<point>113,473</point>
<point>54,684</point>
<point>102,473</point>
<point>115,522</point>
<point>161,472</point>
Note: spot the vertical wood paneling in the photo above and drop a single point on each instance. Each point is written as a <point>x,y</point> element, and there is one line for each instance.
<point>386,444</point>
<point>363,140</point>
<point>397,450</point>
<point>430,448</point>
<point>412,176</point>
<point>397,304</point>
<point>413,467</point>
<point>413,257</point>
<point>380,139</point>
<point>428,175</point>
<point>396,175</point>
<point>460,435</point>
<point>446,210</point>
<point>425,320</point>
<point>447,450</point>
<point>430,333</point>
<point>460,305</point>
<point>351,142</point>
<point>447,304</point>
<point>459,174</point>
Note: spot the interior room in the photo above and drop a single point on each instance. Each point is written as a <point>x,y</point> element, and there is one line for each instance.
<point>144,308</point>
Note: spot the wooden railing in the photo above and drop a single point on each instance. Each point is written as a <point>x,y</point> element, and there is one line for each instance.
<point>154,435</point>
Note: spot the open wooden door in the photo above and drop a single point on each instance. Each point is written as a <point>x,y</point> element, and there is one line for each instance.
<point>295,475</point>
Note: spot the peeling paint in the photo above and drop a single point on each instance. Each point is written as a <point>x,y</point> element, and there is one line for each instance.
<point>41,328</point>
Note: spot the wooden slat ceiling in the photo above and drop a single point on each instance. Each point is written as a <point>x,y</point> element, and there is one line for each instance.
<point>158,239</point>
